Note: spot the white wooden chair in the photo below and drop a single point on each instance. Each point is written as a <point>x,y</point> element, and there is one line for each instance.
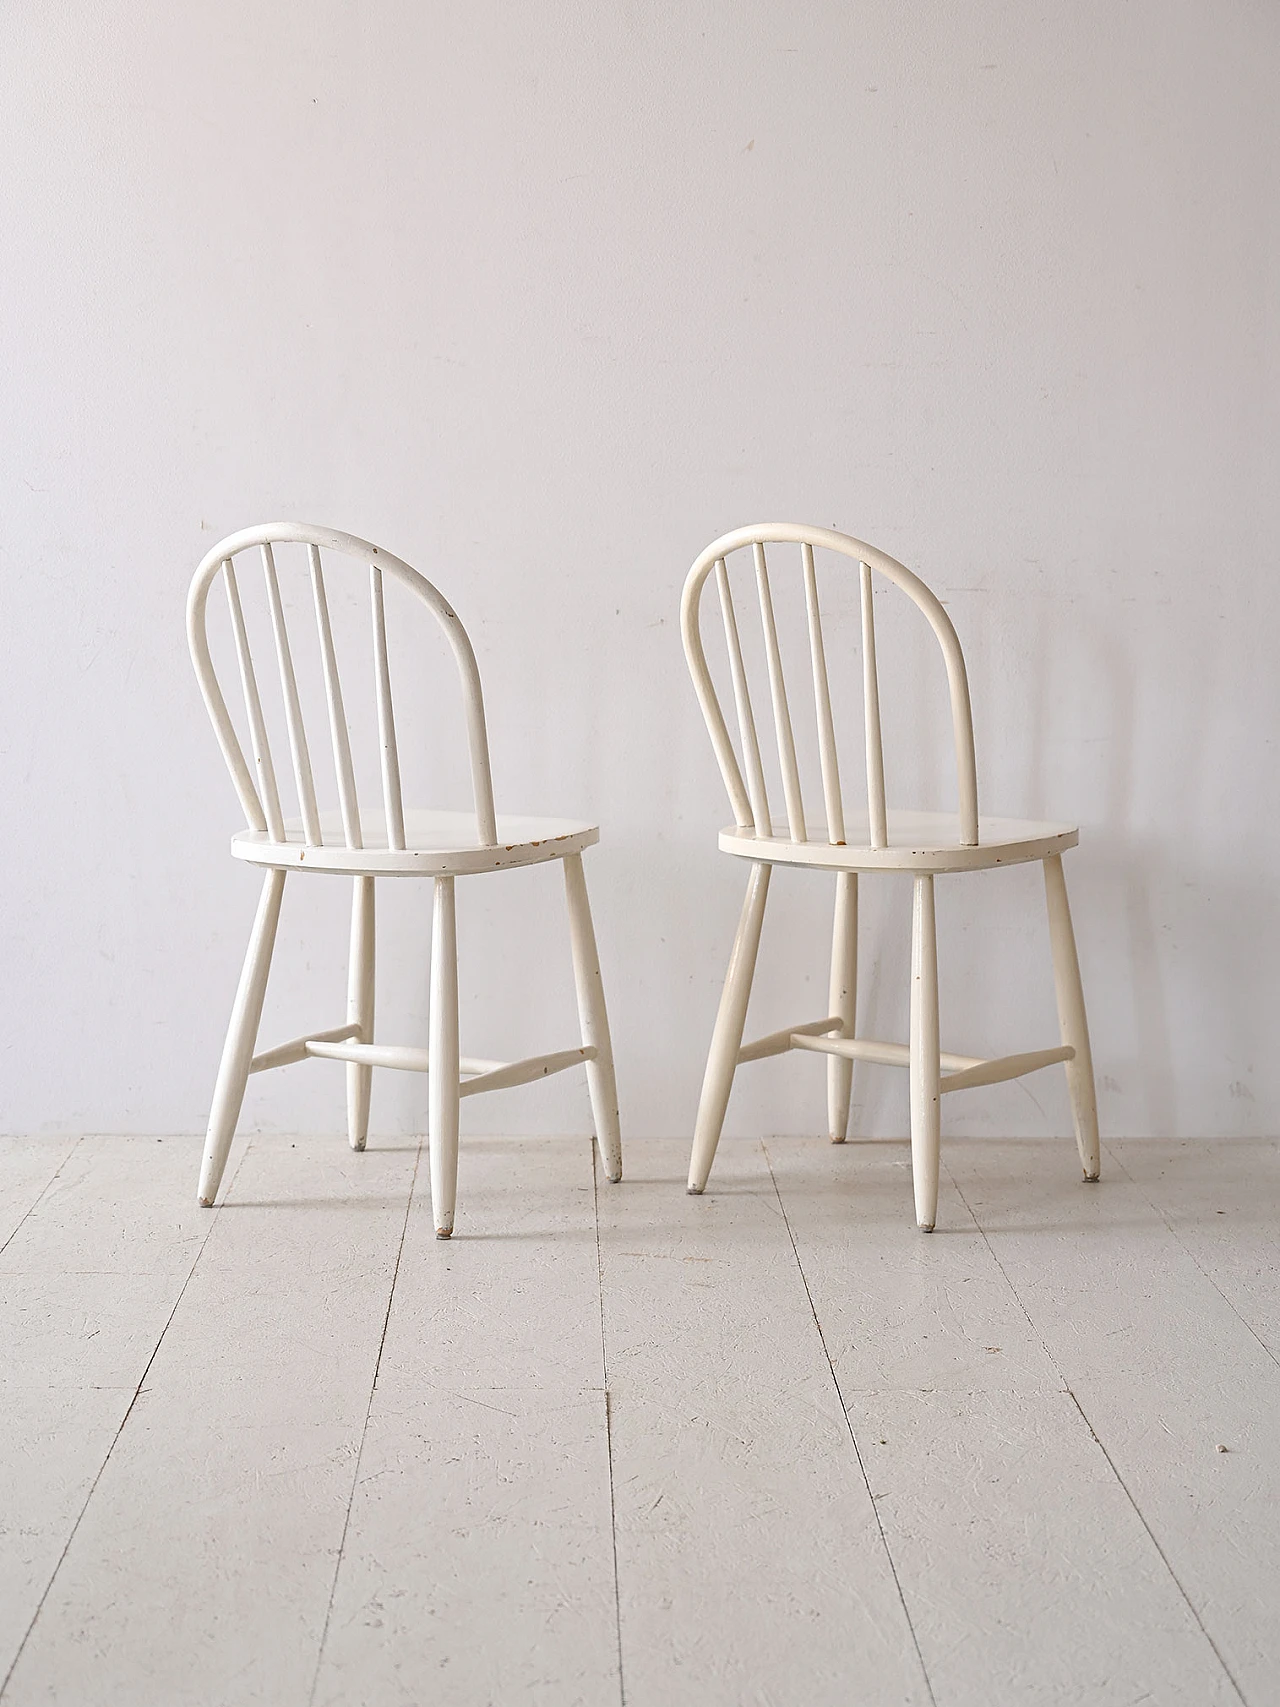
<point>365,843</point>
<point>879,839</point>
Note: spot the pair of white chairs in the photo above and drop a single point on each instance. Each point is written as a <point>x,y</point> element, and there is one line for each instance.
<point>391,840</point>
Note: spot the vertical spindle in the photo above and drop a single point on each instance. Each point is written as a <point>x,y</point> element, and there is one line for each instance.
<point>742,700</point>
<point>292,706</point>
<point>337,716</point>
<point>871,718</point>
<point>822,701</point>
<point>391,796</point>
<point>781,712</point>
<point>267,789</point>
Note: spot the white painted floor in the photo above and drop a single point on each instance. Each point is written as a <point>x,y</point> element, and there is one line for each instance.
<point>618,1445</point>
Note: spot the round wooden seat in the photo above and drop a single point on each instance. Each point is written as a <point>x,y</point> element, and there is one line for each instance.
<point>916,841</point>
<point>437,844</point>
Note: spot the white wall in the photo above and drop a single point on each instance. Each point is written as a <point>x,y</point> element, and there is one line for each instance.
<point>545,296</point>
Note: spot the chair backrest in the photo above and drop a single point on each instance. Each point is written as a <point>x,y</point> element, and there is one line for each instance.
<point>750,800</point>
<point>257,786</point>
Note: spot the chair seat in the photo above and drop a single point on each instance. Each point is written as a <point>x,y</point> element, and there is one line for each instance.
<point>918,841</point>
<point>437,844</point>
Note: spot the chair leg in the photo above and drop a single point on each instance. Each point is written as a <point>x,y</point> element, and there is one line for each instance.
<point>445,1075</point>
<point>926,1101</point>
<point>601,1082</point>
<point>360,986</point>
<point>1071,1017</point>
<point>726,1039</point>
<point>844,1001</point>
<point>242,1034</point>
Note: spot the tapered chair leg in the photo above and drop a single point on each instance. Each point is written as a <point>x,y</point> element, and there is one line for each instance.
<point>843,1001</point>
<point>1071,1018</point>
<point>242,1034</point>
<point>601,1083</point>
<point>726,1039</point>
<point>926,1101</point>
<point>445,1073</point>
<point>360,986</point>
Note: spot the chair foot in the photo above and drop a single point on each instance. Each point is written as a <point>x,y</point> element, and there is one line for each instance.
<point>693,1191</point>
<point>726,1037</point>
<point>1090,1179</point>
<point>206,1203</point>
<point>1072,1019</point>
<point>360,994</point>
<point>242,1032</point>
<point>843,1001</point>
<point>444,1080</point>
<point>602,1084</point>
<point>926,1108</point>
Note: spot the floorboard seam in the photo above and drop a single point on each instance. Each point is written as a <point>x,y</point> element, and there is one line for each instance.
<point>1182,1245</point>
<point>45,1189</point>
<point>106,1458</point>
<point>1230,1675</point>
<point>844,1412</point>
<point>608,1419</point>
<point>368,1411</point>
<point>1110,1462</point>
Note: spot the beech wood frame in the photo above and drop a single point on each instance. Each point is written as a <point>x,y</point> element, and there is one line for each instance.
<point>367,843</point>
<point>925,844</point>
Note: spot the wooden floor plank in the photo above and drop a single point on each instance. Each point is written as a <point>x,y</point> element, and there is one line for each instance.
<point>202,1568</point>
<point>1165,1371</point>
<point>87,1282</point>
<point>1038,1394</point>
<point>751,1567</point>
<point>1220,1197</point>
<point>478,1565</point>
<point>899,1310</point>
<point>28,1166</point>
<point>1029,1577</point>
<point>1010,1534</point>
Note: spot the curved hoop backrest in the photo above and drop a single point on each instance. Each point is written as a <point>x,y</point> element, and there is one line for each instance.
<point>257,788</point>
<point>750,800</point>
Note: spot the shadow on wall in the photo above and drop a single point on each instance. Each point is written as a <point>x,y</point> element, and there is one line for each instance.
<point>1177,930</point>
